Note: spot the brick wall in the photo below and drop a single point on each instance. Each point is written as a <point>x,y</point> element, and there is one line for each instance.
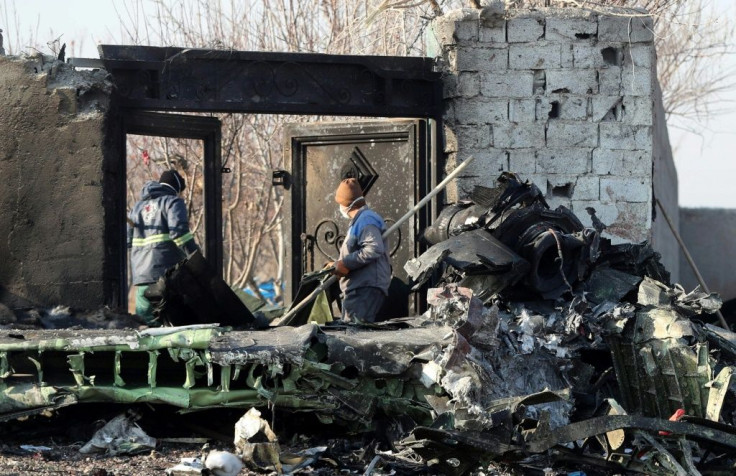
<point>564,98</point>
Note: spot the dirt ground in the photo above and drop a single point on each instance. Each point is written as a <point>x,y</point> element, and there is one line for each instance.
<point>67,430</point>
<point>66,459</point>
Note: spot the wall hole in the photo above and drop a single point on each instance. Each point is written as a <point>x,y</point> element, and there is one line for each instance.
<point>563,191</point>
<point>611,56</point>
<point>554,111</point>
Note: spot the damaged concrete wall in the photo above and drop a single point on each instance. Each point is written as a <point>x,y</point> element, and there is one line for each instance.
<point>665,191</point>
<point>51,199</point>
<point>708,234</point>
<point>563,97</point>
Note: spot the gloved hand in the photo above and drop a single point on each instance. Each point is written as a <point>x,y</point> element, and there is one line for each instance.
<point>340,269</point>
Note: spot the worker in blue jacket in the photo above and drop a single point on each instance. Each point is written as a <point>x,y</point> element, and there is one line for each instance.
<point>158,235</point>
<point>363,266</point>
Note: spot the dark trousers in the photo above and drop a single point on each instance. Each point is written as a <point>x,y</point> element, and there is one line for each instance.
<point>362,304</point>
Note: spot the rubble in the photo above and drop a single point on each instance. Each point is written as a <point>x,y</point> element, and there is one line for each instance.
<point>545,348</point>
<point>120,436</point>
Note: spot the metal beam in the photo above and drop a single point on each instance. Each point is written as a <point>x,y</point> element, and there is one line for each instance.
<point>194,80</point>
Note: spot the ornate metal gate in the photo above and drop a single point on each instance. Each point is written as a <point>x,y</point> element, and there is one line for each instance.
<point>389,159</point>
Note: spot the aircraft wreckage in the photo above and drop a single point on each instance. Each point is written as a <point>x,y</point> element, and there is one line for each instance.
<point>545,345</point>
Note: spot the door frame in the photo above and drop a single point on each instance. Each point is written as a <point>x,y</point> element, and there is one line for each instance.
<point>181,126</point>
<point>298,136</point>
<point>175,79</point>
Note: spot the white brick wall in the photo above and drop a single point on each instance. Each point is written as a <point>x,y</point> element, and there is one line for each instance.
<point>562,97</point>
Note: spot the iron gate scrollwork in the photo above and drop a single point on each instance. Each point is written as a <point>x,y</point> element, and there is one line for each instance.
<point>327,238</point>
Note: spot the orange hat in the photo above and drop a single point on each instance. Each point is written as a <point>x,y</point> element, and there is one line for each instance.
<point>347,192</point>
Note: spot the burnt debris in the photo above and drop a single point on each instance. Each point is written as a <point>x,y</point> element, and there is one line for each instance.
<point>545,349</point>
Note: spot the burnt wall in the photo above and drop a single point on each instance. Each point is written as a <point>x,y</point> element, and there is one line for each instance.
<point>51,198</point>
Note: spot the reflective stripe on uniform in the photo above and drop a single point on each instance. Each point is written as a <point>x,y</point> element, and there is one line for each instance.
<point>153,239</point>
<point>183,239</point>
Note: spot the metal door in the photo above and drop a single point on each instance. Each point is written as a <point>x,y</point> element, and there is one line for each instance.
<point>391,161</point>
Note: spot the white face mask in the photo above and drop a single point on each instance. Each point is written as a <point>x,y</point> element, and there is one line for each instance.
<point>344,211</point>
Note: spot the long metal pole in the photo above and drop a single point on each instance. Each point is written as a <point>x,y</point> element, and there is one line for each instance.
<point>327,283</point>
<point>689,259</point>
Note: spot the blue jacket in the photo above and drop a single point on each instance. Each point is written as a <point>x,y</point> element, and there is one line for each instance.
<point>159,237</point>
<point>365,253</point>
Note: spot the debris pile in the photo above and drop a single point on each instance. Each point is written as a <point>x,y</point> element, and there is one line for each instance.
<point>545,348</point>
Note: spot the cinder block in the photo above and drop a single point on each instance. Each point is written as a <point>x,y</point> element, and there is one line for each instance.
<point>606,211</point>
<point>525,29</point>
<point>480,110</point>
<point>607,108</point>
<point>626,222</point>
<point>622,162</point>
<point>637,81</point>
<point>474,137</point>
<point>546,109</point>
<point>633,222</point>
<point>587,187</point>
<point>449,30</point>
<point>518,136</point>
<point>449,139</point>
<point>523,161</point>
<point>609,81</point>
<point>575,134</point>
<point>626,189</point>
<point>638,55</point>
<point>576,29</point>
<point>625,29</point>
<point>485,169</point>
<point>578,81</point>
<point>638,110</point>
<point>522,110</point>
<point>516,84</point>
<point>494,32</point>
<point>569,108</point>
<point>567,59</point>
<point>482,59</point>
<point>468,84</point>
<point>466,31</point>
<point>600,55</point>
<point>449,86</point>
<point>626,137</point>
<point>540,180</point>
<point>535,56</point>
<point>563,160</point>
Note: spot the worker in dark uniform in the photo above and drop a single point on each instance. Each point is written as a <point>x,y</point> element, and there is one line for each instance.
<point>363,265</point>
<point>158,235</point>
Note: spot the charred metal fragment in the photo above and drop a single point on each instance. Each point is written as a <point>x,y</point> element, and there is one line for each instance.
<point>555,244</point>
<point>193,293</point>
<point>540,441</point>
<point>477,260</point>
<point>638,259</point>
<point>555,248</point>
<point>608,284</point>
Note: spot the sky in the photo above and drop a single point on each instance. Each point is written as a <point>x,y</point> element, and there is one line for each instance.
<point>705,160</point>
